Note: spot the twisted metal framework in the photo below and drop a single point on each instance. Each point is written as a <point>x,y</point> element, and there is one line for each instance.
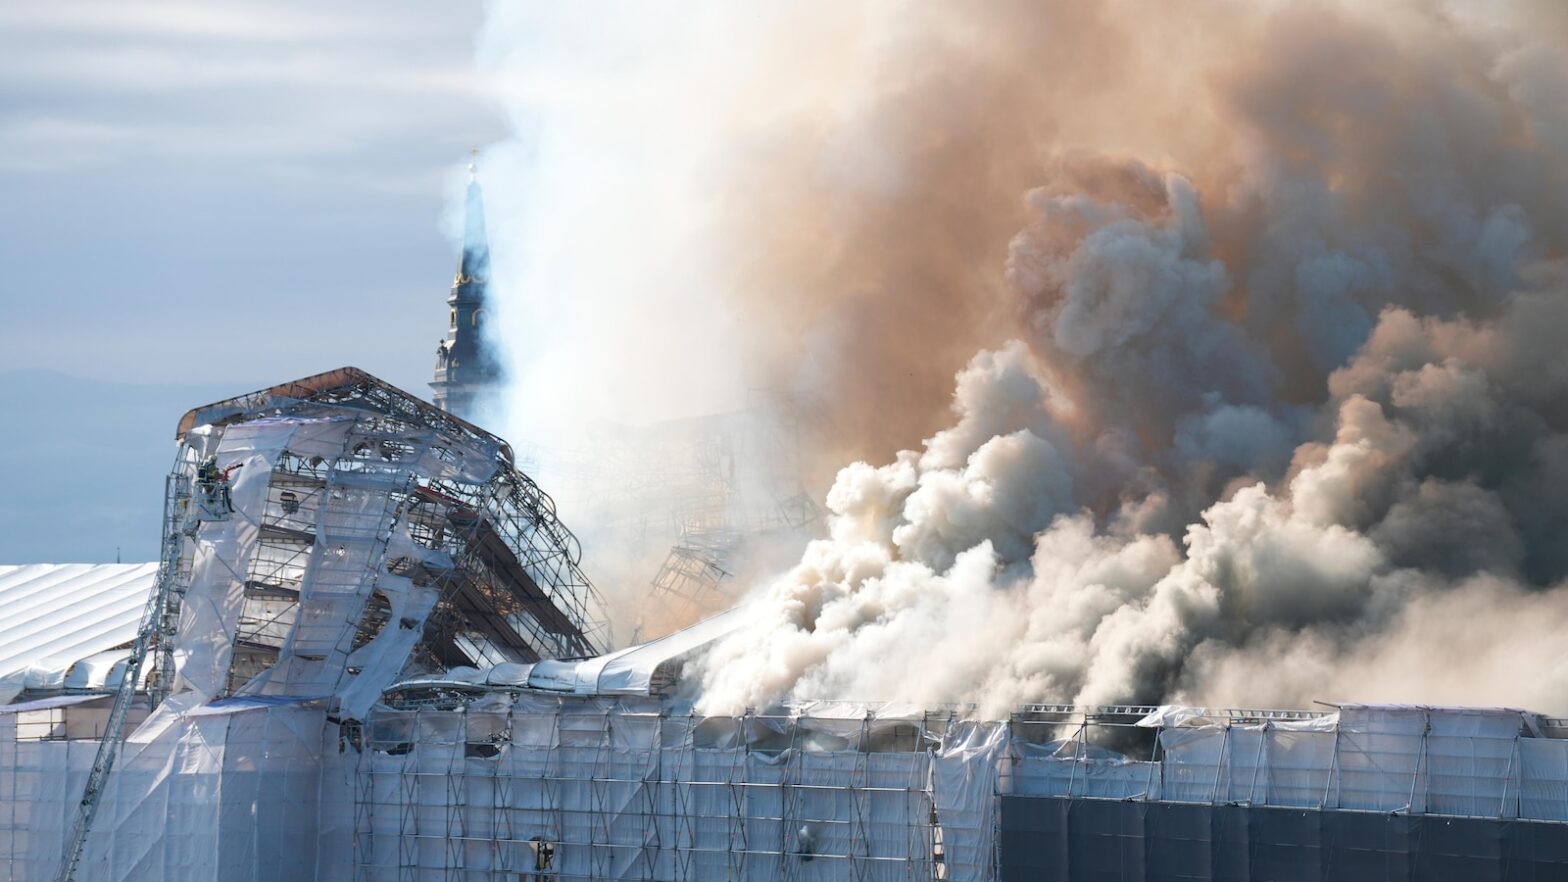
<point>514,590</point>
<point>344,387</point>
<point>516,570</point>
<point>724,510</point>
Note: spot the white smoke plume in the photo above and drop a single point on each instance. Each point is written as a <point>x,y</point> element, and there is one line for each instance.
<point>1253,310</point>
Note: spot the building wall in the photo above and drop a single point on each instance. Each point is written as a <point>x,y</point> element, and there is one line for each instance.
<point>1055,838</point>
<point>598,789</point>
<point>228,794</point>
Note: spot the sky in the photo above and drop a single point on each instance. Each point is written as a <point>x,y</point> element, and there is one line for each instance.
<point>240,191</point>
<point>197,200</point>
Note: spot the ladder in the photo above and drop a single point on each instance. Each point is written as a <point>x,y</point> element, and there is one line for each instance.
<point>156,629</point>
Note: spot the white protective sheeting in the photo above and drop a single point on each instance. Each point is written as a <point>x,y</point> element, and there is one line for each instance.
<point>1543,793</point>
<point>53,616</point>
<point>1475,762</point>
<point>629,671</point>
<point>352,528</point>
<point>227,794</point>
<point>209,616</point>
<point>580,788</point>
<point>965,783</point>
<point>1077,768</point>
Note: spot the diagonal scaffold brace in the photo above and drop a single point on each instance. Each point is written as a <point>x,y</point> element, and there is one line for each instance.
<point>155,631</point>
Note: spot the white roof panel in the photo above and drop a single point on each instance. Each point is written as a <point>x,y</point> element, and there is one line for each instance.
<point>55,615</point>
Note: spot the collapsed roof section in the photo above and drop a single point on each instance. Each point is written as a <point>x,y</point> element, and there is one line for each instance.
<point>651,669</point>
<point>329,534</point>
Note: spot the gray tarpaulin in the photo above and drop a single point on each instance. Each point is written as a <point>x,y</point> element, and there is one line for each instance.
<point>1046,838</point>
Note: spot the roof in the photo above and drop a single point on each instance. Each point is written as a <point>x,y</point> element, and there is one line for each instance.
<point>347,386</point>
<point>629,671</point>
<point>53,616</point>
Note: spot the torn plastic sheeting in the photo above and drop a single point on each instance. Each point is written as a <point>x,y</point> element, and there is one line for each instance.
<point>964,788</point>
<point>23,707</point>
<point>321,436</point>
<point>215,597</point>
<point>240,705</point>
<point>380,660</point>
<point>631,670</point>
<point>1066,748</point>
<point>402,545</point>
<point>450,459</point>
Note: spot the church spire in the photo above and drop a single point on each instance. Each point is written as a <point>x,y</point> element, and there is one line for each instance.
<point>473,268</point>
<point>466,364</point>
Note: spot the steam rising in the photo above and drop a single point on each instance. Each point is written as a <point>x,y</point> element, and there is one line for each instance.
<point>1255,314</point>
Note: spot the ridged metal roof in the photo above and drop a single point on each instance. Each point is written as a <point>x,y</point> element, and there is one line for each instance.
<point>53,616</point>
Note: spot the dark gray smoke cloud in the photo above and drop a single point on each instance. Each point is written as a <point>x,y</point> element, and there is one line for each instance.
<point>1253,310</point>
<point>1284,407</point>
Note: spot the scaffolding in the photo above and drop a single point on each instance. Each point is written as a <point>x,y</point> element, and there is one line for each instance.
<point>530,786</point>
<point>378,513</point>
<point>744,484</point>
<point>341,533</point>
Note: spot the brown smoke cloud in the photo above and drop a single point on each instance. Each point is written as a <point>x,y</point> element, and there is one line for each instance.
<point>1283,286</point>
<point>1251,308</point>
<point>1344,159</point>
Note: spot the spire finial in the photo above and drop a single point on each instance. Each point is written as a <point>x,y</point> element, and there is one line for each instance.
<point>473,163</point>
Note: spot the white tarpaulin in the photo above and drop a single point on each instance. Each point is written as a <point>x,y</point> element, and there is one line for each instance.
<point>55,617</point>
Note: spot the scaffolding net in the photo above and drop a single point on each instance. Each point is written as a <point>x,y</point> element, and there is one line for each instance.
<point>524,786</point>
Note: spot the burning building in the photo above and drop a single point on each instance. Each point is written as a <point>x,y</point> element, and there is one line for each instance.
<point>1267,407</point>
<point>369,652</point>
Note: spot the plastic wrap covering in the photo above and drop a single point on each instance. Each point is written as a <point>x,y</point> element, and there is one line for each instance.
<point>1450,761</point>
<point>580,788</point>
<point>527,784</point>
<point>965,783</point>
<point>1074,768</point>
<point>1544,780</point>
<point>223,793</point>
<point>1377,759</point>
<point>1282,763</point>
<point>1298,764</point>
<point>337,531</point>
<point>223,552</point>
<point>1088,777</point>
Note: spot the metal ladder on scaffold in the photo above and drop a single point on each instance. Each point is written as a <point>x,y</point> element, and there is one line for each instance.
<point>155,631</point>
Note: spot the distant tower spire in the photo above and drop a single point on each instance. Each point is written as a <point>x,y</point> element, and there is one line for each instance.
<point>466,362</point>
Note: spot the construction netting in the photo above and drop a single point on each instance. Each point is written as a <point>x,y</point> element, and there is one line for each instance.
<point>511,785</point>
<point>1472,762</point>
<point>228,791</point>
<point>595,788</point>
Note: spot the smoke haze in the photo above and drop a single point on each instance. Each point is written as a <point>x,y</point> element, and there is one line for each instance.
<point>1253,311</point>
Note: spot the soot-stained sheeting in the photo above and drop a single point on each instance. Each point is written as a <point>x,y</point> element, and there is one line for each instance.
<point>1051,838</point>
